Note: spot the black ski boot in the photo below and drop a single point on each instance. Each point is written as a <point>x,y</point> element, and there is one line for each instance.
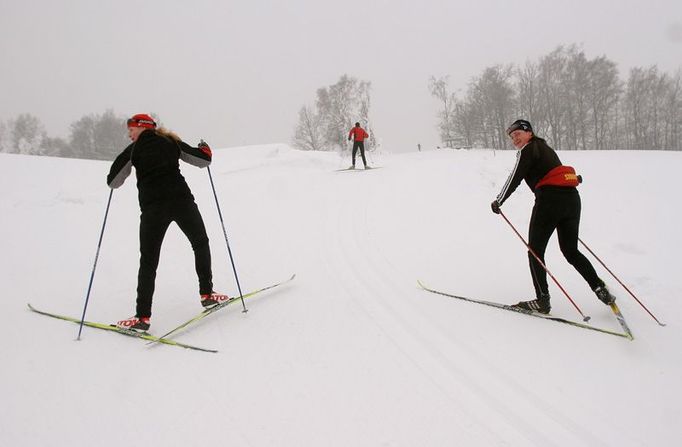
<point>604,295</point>
<point>539,305</point>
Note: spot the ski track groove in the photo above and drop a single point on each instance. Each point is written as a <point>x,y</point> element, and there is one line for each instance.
<point>359,242</point>
<point>344,251</point>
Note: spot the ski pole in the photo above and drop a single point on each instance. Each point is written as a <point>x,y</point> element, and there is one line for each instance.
<point>585,318</point>
<point>229,251</point>
<point>92,275</point>
<point>620,282</point>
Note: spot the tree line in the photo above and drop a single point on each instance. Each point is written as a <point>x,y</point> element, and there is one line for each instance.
<point>94,136</point>
<point>575,102</point>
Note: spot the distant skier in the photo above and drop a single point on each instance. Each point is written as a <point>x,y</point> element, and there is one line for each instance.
<point>358,135</point>
<point>164,197</point>
<point>557,206</point>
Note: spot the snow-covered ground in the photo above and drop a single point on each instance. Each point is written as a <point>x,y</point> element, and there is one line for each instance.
<point>351,353</point>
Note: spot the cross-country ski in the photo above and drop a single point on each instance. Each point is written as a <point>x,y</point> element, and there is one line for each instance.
<point>217,307</point>
<point>117,330</point>
<point>530,313</point>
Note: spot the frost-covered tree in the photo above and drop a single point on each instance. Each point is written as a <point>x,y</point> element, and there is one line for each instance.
<point>309,134</point>
<point>27,134</point>
<point>56,147</point>
<point>98,136</point>
<point>340,106</point>
<point>337,108</point>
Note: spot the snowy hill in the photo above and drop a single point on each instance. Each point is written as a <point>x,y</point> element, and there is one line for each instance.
<point>351,353</point>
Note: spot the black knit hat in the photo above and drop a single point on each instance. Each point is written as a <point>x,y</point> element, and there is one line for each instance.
<point>519,125</point>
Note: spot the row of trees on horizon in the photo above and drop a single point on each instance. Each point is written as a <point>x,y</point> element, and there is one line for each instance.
<point>94,136</point>
<point>574,102</point>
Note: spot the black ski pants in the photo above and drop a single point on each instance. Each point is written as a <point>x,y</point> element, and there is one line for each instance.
<point>557,208</point>
<point>154,221</point>
<point>361,145</point>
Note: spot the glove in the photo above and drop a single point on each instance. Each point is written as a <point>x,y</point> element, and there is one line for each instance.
<point>495,206</point>
<point>203,147</point>
<point>348,138</point>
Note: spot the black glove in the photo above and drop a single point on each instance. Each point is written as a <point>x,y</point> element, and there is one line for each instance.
<point>204,147</point>
<point>348,138</point>
<point>495,206</point>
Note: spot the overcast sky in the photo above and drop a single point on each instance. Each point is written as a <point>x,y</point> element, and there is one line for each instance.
<point>236,72</point>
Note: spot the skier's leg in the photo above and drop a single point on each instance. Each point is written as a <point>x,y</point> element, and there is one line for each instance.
<point>189,219</point>
<point>154,222</point>
<point>540,230</point>
<point>567,232</point>
<point>362,152</point>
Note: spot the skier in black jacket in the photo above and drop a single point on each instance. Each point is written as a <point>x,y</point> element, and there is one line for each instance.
<point>164,197</point>
<point>557,206</point>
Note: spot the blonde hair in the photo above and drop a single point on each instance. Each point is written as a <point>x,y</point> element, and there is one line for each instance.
<point>169,134</point>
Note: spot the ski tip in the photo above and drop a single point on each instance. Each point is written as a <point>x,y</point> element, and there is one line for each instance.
<point>423,286</point>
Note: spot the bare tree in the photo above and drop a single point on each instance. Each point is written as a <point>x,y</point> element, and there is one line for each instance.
<point>465,123</point>
<point>640,107</point>
<point>672,108</point>
<point>576,76</point>
<point>493,95</point>
<point>3,137</point>
<point>553,93</point>
<point>603,91</point>
<point>446,116</point>
<point>528,95</point>
<point>576,102</point>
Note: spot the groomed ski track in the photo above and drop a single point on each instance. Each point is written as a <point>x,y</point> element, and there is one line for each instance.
<point>352,352</point>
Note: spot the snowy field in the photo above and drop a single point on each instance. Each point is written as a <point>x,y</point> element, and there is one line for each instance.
<point>351,353</point>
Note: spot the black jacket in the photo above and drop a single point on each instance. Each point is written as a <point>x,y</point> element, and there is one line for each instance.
<point>533,162</point>
<point>155,158</point>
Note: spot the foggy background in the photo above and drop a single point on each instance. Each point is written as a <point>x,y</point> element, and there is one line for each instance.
<point>237,72</point>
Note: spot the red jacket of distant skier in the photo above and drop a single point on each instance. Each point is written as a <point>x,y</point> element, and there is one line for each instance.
<point>358,134</point>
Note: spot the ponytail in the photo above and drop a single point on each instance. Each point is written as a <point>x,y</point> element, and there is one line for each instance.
<point>168,134</point>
